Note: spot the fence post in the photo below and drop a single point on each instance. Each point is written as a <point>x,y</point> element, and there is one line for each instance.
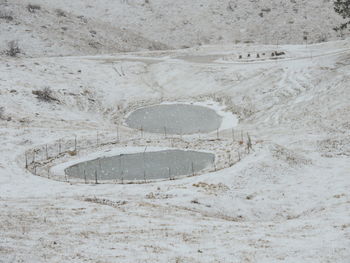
<point>96,182</point>
<point>59,146</point>
<point>233,135</point>
<point>75,143</point>
<point>192,168</point>
<point>85,177</point>
<point>217,133</point>
<point>26,155</point>
<point>164,132</point>
<point>47,153</point>
<point>249,143</point>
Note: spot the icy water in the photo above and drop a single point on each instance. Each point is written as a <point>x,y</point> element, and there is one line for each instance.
<point>140,166</point>
<point>175,119</point>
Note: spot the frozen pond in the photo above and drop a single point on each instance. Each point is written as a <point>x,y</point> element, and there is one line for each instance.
<point>165,164</point>
<point>175,119</point>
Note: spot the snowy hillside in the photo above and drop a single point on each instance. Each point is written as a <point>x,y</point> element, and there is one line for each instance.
<point>285,201</point>
<point>81,27</point>
<point>274,77</point>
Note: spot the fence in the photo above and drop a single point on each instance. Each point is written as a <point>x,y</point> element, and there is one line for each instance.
<point>38,160</point>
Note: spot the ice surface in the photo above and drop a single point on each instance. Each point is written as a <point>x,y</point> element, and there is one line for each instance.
<point>175,119</point>
<point>141,166</point>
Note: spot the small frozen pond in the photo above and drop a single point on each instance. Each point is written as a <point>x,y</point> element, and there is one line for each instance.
<point>165,164</point>
<point>175,119</point>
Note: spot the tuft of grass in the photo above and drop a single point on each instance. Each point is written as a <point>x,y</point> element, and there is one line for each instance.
<point>45,95</point>
<point>13,49</point>
<point>60,13</point>
<point>6,15</point>
<point>33,8</point>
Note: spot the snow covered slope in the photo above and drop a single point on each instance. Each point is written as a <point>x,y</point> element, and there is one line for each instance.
<point>286,201</point>
<point>84,27</point>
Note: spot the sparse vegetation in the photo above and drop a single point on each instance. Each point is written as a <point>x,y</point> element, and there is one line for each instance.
<point>3,117</point>
<point>6,15</point>
<point>322,38</point>
<point>2,113</point>
<point>45,95</point>
<point>33,8</point>
<point>13,49</point>
<point>231,6</point>
<point>342,7</point>
<point>60,13</point>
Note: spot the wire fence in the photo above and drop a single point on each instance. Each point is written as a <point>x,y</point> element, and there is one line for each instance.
<point>232,147</point>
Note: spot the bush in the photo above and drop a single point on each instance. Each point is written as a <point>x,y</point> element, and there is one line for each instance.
<point>33,8</point>
<point>6,15</point>
<point>2,113</point>
<point>13,49</point>
<point>3,116</point>
<point>342,7</point>
<point>44,95</point>
<point>60,13</point>
<point>322,38</point>
<point>231,6</point>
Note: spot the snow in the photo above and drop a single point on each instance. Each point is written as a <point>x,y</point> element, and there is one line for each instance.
<point>285,201</point>
<point>89,27</point>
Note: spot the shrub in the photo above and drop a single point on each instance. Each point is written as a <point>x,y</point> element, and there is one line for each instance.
<point>6,15</point>
<point>44,95</point>
<point>33,8</point>
<point>60,13</point>
<point>231,6</point>
<point>2,113</point>
<point>322,38</point>
<point>342,7</point>
<point>13,48</point>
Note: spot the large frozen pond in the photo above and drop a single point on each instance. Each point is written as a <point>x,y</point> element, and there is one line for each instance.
<point>175,119</point>
<point>166,164</point>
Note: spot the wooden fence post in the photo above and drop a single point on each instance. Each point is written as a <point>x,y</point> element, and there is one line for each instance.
<point>75,143</point>
<point>96,182</point>
<point>47,153</point>
<point>59,147</point>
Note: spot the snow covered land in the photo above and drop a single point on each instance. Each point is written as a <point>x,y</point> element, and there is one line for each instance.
<point>65,97</point>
